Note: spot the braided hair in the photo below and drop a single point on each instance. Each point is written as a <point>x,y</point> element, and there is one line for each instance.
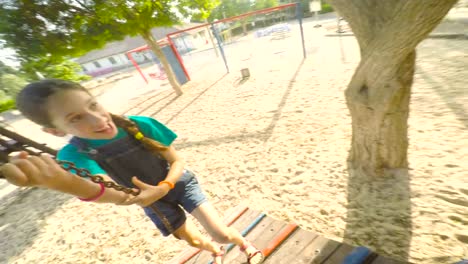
<point>132,129</point>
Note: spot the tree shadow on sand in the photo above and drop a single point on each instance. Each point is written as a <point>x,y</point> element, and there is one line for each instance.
<point>379,213</point>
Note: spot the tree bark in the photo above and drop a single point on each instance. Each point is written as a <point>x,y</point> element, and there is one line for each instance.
<point>379,124</point>
<point>378,95</point>
<point>152,43</point>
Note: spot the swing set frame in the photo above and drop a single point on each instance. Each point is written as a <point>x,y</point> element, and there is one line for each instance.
<point>169,40</point>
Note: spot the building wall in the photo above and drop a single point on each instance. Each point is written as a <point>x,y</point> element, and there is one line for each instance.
<point>113,63</point>
<point>191,42</point>
<point>104,63</point>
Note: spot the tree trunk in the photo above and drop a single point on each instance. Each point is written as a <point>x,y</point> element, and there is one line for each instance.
<point>378,95</point>
<point>379,122</point>
<point>152,43</point>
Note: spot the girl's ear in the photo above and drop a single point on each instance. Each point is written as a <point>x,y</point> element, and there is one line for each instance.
<point>54,131</point>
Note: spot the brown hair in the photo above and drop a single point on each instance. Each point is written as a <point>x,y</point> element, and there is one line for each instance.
<point>32,103</point>
<point>132,129</point>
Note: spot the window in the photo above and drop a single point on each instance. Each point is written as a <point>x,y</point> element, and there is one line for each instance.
<point>112,60</point>
<point>97,64</point>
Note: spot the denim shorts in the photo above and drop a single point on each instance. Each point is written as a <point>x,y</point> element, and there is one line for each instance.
<point>187,194</point>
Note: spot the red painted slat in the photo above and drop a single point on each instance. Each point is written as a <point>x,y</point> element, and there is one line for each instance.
<point>279,239</point>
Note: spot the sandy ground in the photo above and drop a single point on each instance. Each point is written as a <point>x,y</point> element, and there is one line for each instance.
<point>279,142</point>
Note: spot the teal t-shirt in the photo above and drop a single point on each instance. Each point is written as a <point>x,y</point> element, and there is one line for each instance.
<point>148,126</point>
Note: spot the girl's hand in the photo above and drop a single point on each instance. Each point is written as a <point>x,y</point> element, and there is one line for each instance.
<point>26,171</point>
<point>148,193</point>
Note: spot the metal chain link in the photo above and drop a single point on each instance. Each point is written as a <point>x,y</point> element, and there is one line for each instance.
<point>68,166</point>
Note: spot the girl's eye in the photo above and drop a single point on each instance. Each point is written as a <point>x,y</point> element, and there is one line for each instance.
<point>75,119</point>
<point>93,105</point>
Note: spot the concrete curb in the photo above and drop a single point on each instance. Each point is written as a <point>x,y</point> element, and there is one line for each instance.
<point>434,35</point>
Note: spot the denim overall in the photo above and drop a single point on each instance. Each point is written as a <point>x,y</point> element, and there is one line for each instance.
<point>126,157</point>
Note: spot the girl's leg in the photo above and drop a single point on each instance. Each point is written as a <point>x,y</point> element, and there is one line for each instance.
<point>189,232</point>
<point>210,220</point>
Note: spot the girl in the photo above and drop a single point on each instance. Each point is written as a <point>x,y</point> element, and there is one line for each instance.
<point>117,149</point>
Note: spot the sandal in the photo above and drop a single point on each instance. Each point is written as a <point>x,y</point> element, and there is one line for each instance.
<point>254,257</point>
<point>219,254</point>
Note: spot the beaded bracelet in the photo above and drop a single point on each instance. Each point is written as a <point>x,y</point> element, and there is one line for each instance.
<point>94,198</point>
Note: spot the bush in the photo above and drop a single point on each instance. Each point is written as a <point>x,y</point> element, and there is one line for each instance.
<point>12,84</point>
<point>7,105</point>
<point>326,8</point>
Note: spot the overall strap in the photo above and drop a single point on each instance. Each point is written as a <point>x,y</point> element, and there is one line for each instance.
<point>78,143</point>
<point>81,145</point>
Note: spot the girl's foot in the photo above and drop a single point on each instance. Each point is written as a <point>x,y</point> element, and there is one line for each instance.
<point>254,256</point>
<point>218,257</point>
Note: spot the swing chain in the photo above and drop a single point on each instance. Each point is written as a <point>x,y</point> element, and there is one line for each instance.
<point>68,166</point>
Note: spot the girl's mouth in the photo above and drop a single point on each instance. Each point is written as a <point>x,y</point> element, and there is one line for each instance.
<point>108,129</point>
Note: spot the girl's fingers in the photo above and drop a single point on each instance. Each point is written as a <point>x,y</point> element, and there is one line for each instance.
<point>14,175</point>
<point>130,200</point>
<point>17,155</point>
<point>29,169</point>
<point>139,184</point>
<point>49,160</point>
<point>39,163</point>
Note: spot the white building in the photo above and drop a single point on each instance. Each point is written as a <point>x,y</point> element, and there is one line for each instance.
<point>112,57</point>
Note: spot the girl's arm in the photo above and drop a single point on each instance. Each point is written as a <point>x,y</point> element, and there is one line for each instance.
<point>176,165</point>
<point>84,188</point>
<point>43,171</point>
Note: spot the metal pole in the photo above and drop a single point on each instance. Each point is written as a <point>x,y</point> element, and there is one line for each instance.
<point>136,66</point>
<point>215,33</point>
<point>299,17</point>
<point>178,57</point>
<point>211,39</point>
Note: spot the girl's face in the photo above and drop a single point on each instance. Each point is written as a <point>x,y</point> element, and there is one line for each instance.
<point>77,113</point>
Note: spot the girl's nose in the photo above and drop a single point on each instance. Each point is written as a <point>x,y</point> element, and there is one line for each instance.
<point>98,118</point>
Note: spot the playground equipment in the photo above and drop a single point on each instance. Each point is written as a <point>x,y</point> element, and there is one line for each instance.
<point>282,242</point>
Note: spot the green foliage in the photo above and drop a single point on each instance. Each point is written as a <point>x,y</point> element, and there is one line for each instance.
<point>58,29</point>
<point>230,8</point>
<point>326,8</point>
<point>4,69</point>
<point>11,84</point>
<point>3,96</point>
<point>262,4</point>
<point>66,70</point>
<point>46,32</point>
<point>51,28</point>
<point>7,105</point>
